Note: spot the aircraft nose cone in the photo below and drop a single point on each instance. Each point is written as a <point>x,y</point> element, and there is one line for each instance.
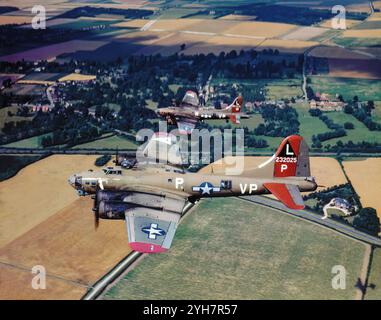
<point>71,180</point>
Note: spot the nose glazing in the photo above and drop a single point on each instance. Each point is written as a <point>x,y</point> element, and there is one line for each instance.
<point>71,180</point>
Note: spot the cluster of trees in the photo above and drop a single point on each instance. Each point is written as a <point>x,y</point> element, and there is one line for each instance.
<point>279,122</point>
<point>350,146</point>
<point>265,65</point>
<point>338,130</point>
<point>252,142</point>
<point>88,11</point>
<point>5,100</point>
<point>70,136</point>
<point>368,221</point>
<point>363,114</point>
<point>344,191</point>
<point>11,37</point>
<point>67,127</point>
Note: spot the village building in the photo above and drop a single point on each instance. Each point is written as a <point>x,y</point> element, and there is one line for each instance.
<point>325,103</point>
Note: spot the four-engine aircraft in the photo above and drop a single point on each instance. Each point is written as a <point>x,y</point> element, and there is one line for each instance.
<point>151,197</point>
<point>189,112</point>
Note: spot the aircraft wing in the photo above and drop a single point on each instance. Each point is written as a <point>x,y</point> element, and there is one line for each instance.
<point>151,225</point>
<point>149,230</point>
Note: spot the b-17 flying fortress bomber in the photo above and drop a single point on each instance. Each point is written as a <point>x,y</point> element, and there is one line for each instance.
<point>189,112</point>
<point>151,197</point>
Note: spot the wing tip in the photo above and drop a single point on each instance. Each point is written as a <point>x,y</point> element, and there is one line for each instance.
<point>147,247</point>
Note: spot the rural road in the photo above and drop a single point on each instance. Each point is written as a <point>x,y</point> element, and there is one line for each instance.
<point>315,218</point>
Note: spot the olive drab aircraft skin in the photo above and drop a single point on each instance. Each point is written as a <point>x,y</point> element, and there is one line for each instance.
<point>151,197</point>
<point>189,112</point>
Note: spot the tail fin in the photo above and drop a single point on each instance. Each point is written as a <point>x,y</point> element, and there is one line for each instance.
<point>235,109</point>
<point>290,160</point>
<point>236,106</point>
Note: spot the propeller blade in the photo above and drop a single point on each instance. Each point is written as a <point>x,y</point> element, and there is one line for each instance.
<point>96,219</point>
<point>96,211</point>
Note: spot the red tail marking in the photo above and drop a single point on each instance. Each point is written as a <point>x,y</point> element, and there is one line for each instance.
<point>234,119</point>
<point>286,157</point>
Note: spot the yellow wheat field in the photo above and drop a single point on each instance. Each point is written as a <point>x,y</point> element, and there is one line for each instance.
<point>77,77</point>
<point>15,19</point>
<point>44,222</point>
<point>296,46</point>
<point>349,23</point>
<point>136,23</point>
<point>366,179</point>
<point>367,33</point>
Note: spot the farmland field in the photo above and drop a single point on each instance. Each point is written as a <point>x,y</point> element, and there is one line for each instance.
<point>112,142</point>
<point>366,179</point>
<point>52,227</point>
<point>5,118</point>
<point>32,142</point>
<point>10,165</point>
<point>347,87</point>
<point>304,33</point>
<point>296,46</point>
<point>359,68</point>
<point>358,134</point>
<point>8,19</point>
<point>375,277</point>
<point>50,52</point>
<point>231,249</point>
<point>309,125</point>
<point>358,42</point>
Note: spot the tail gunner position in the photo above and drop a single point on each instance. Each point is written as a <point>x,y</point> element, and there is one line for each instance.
<point>151,198</point>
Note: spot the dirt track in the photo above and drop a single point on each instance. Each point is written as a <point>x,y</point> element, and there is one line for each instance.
<point>54,228</point>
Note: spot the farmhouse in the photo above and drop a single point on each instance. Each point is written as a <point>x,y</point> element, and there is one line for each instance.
<point>325,103</point>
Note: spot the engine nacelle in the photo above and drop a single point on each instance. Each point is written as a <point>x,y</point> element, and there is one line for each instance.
<point>113,209</point>
<point>110,196</point>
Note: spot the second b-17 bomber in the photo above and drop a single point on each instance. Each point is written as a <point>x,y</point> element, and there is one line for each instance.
<point>189,112</point>
<point>151,197</point>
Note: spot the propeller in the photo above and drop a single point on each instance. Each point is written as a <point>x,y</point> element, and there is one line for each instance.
<point>117,156</point>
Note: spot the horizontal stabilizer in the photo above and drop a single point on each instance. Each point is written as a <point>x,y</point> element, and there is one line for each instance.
<point>288,194</point>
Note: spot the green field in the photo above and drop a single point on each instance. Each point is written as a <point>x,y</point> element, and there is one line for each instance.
<point>113,142</point>
<point>232,249</point>
<point>347,87</point>
<point>283,89</point>
<point>5,118</point>
<point>32,142</point>
<point>374,277</point>
<point>309,125</point>
<point>358,134</point>
<point>357,42</point>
